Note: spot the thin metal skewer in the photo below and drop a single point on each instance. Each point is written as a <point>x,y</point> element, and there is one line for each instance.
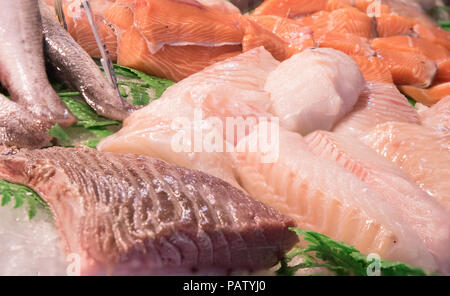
<point>60,13</point>
<point>105,60</point>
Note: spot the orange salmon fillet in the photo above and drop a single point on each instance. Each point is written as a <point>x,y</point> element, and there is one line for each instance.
<point>408,68</point>
<point>297,36</point>
<point>345,20</point>
<point>173,38</point>
<point>393,24</point>
<point>428,96</point>
<point>374,69</point>
<point>347,43</point>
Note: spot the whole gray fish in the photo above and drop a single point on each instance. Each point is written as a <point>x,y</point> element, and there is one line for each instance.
<point>127,214</point>
<point>20,128</point>
<point>78,69</point>
<point>22,64</point>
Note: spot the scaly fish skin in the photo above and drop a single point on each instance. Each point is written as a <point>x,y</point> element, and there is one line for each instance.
<point>22,67</point>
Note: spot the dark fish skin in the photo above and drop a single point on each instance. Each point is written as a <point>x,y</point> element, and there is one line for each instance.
<point>126,214</point>
<point>76,68</point>
<point>22,64</point>
<point>19,128</point>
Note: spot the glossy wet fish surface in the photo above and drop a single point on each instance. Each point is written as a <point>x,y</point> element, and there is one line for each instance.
<point>138,215</point>
<point>22,68</point>
<point>352,156</point>
<point>76,68</point>
<point>20,128</point>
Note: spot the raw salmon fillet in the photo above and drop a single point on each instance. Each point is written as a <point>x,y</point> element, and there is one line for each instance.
<point>439,54</point>
<point>125,214</point>
<point>408,68</point>
<point>443,71</point>
<point>374,69</point>
<point>393,24</point>
<point>231,88</point>
<point>347,43</point>
<point>294,33</point>
<point>433,34</point>
<point>379,103</point>
<point>405,43</point>
<point>419,152</point>
<point>324,197</point>
<point>326,87</point>
<point>170,38</point>
<point>424,214</point>
<point>428,96</point>
<point>290,8</point>
<point>345,20</point>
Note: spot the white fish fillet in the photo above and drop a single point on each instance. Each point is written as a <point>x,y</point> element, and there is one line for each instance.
<point>420,211</point>
<point>324,197</point>
<point>417,151</point>
<point>314,89</point>
<point>437,117</point>
<point>379,102</point>
<point>232,88</point>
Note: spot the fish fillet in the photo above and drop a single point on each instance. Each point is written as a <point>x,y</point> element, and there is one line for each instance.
<point>347,43</point>
<point>374,69</point>
<point>433,34</point>
<point>232,88</point>
<point>326,87</point>
<point>297,36</point>
<point>324,197</point>
<point>404,43</point>
<point>290,8</point>
<point>379,103</point>
<point>392,24</point>
<point>439,54</point>
<point>428,96</point>
<point>409,68</point>
<point>419,152</point>
<point>425,215</point>
<point>124,214</point>
<point>345,21</point>
<point>437,117</point>
<point>170,38</point>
